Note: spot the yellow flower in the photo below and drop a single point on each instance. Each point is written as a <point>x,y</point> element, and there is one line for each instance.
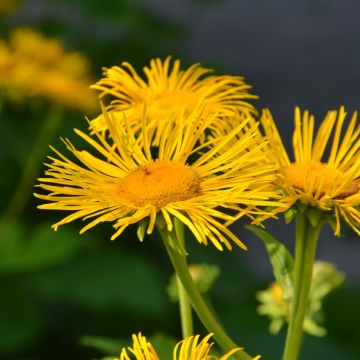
<point>330,182</point>
<point>66,90</point>
<point>26,43</point>
<point>187,349</point>
<point>141,350</point>
<point>135,181</point>
<point>191,349</point>
<point>167,92</point>
<point>51,73</point>
<point>15,77</point>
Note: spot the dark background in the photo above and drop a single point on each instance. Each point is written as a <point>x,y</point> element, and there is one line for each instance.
<point>302,53</point>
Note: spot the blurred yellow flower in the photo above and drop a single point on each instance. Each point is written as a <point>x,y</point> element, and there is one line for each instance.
<point>330,182</point>
<point>34,66</point>
<point>167,92</point>
<point>188,349</point>
<point>66,90</point>
<point>7,7</point>
<point>130,183</point>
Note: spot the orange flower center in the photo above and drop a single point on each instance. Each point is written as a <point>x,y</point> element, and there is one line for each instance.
<point>159,183</point>
<point>172,101</point>
<point>320,178</point>
<point>277,293</point>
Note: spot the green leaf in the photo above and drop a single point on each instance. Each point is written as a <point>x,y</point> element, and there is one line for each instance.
<point>280,258</point>
<point>141,230</point>
<point>106,345</point>
<point>313,215</point>
<point>108,279</point>
<point>331,220</point>
<point>312,328</point>
<point>289,215</point>
<point>173,241</point>
<point>41,248</point>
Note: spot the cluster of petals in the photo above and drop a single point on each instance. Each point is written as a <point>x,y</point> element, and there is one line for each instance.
<point>196,183</point>
<point>325,172</point>
<point>167,92</point>
<point>53,74</point>
<point>182,145</point>
<point>191,348</point>
<point>151,166</point>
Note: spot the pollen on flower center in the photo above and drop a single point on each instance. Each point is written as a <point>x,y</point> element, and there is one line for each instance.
<point>320,178</point>
<point>159,183</point>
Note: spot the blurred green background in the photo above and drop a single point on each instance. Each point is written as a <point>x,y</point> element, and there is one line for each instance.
<point>63,295</point>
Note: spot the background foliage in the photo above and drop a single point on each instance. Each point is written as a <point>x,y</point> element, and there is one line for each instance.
<point>64,295</point>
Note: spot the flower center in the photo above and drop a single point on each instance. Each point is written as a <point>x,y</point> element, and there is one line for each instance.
<point>172,101</point>
<point>159,183</point>
<point>320,178</point>
<point>277,293</point>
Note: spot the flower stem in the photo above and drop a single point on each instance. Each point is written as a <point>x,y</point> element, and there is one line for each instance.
<point>187,325</point>
<point>23,191</point>
<point>198,303</point>
<point>305,250</point>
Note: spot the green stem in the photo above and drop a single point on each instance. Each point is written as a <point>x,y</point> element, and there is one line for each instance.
<point>305,250</point>
<point>198,303</point>
<point>187,325</point>
<point>31,168</point>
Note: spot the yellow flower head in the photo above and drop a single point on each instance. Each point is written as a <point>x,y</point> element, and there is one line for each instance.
<point>135,181</point>
<point>167,91</point>
<point>16,77</point>
<point>324,174</point>
<point>187,349</point>
<point>191,349</point>
<point>141,350</point>
<point>53,74</point>
<point>66,90</point>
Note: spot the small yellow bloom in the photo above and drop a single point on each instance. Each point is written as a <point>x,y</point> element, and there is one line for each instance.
<point>330,182</point>
<point>325,278</point>
<point>277,293</point>
<point>135,181</point>
<point>273,305</point>
<point>141,350</point>
<point>187,349</point>
<point>53,74</point>
<point>167,92</point>
<point>191,349</point>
